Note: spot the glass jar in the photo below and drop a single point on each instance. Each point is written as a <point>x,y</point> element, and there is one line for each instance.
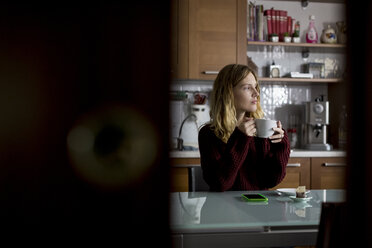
<point>292,136</point>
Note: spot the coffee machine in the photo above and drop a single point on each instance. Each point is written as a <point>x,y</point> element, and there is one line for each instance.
<point>317,119</point>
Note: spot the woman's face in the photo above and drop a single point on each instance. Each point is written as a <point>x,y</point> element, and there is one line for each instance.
<point>245,95</point>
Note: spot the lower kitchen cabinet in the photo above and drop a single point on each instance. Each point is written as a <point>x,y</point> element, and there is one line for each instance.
<point>179,172</point>
<point>298,173</point>
<point>179,181</point>
<point>314,173</point>
<point>328,173</point>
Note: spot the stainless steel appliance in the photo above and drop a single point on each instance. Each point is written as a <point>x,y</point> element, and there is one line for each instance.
<point>317,119</point>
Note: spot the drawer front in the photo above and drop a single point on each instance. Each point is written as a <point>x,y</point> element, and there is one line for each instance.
<point>328,173</point>
<point>179,181</point>
<point>179,174</point>
<point>298,173</point>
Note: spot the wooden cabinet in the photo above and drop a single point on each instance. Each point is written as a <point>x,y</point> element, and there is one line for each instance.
<point>298,173</point>
<point>179,181</point>
<point>179,39</point>
<point>328,173</point>
<point>207,35</point>
<point>314,173</point>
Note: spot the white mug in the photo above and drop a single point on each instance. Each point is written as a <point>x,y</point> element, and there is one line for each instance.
<point>265,127</point>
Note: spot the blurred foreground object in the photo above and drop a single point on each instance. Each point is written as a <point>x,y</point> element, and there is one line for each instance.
<point>113,147</point>
<point>61,67</point>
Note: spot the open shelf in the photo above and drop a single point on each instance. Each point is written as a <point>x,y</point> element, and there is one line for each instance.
<point>317,45</point>
<point>304,80</point>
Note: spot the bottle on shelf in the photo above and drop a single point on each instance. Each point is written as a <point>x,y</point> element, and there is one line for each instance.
<point>342,129</point>
<point>312,34</point>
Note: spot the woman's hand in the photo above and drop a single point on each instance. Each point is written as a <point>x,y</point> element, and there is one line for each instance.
<point>247,126</point>
<point>278,134</point>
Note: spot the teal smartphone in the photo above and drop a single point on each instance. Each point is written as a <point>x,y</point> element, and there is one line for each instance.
<point>255,197</point>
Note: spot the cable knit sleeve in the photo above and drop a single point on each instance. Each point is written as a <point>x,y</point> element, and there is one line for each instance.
<point>221,162</point>
<point>273,161</point>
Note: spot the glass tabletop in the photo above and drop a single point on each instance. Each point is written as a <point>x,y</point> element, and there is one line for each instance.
<point>228,211</point>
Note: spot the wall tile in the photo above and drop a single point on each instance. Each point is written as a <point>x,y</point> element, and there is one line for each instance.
<point>279,101</point>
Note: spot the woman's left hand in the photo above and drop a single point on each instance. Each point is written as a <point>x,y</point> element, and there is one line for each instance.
<point>278,134</point>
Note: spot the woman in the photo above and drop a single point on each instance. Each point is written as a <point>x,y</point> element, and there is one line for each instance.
<point>232,158</point>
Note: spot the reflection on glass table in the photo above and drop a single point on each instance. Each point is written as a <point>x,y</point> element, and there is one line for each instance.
<point>218,218</point>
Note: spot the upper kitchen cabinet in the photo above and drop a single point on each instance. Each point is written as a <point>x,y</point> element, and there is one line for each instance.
<point>207,35</point>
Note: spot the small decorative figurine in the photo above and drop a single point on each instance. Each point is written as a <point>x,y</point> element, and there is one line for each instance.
<point>329,35</point>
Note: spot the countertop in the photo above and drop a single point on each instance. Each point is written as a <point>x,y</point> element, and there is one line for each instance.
<point>297,153</point>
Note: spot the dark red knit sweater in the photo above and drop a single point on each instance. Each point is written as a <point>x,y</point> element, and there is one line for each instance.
<point>243,163</point>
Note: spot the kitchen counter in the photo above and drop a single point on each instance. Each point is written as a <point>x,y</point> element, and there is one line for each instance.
<point>297,153</point>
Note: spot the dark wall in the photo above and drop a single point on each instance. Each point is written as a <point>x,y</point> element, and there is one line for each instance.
<point>58,63</point>
<point>359,92</point>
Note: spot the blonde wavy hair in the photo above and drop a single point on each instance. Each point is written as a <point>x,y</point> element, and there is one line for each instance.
<point>223,112</point>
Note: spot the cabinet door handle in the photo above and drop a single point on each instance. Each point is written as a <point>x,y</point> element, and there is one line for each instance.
<point>294,165</point>
<point>186,165</point>
<point>210,72</point>
<point>333,164</point>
